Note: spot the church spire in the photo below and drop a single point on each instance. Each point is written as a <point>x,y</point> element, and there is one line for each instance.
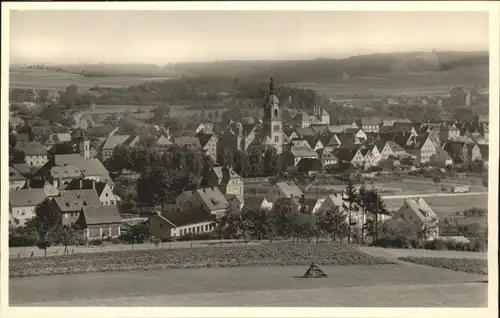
<point>271,86</point>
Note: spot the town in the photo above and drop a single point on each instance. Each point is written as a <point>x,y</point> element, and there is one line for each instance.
<point>287,172</point>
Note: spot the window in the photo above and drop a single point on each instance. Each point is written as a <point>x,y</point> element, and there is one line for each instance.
<point>275,113</point>
<point>206,227</point>
<point>94,232</point>
<point>276,138</point>
<point>105,231</point>
<point>276,127</point>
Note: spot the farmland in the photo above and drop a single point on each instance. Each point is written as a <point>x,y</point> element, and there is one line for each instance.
<point>379,285</point>
<point>52,80</point>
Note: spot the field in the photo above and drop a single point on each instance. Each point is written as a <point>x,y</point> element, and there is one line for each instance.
<point>397,84</point>
<point>476,266</point>
<point>346,286</point>
<point>59,80</point>
<point>196,257</point>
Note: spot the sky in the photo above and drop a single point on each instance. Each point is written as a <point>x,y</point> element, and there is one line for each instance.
<point>161,37</point>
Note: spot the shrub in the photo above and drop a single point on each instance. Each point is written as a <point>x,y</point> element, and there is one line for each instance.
<point>96,242</point>
<point>21,241</point>
<point>397,241</point>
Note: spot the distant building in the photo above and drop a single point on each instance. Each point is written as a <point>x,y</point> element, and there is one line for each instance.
<point>35,153</point>
<point>417,214</point>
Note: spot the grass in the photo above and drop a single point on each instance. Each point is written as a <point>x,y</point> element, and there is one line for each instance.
<point>468,265</point>
<point>194,285</point>
<point>59,80</point>
<point>259,255</point>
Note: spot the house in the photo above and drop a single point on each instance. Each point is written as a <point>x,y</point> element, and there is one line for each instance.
<point>421,148</point>
<point>208,142</point>
<point>35,153</point>
<point>441,158</point>
<point>309,165</point>
<point>484,149</point>
<point>228,181</point>
<point>336,200</point>
<point>175,225</point>
<point>49,190</point>
<point>285,189</point>
<point>473,152</point>
<point>372,157</point>
<point>104,192</point>
<point>322,115</point>
<point>211,200</point>
<point>91,168</point>
<point>448,132</point>
<point>70,204</point>
<point>352,155</point>
<point>16,179</point>
<point>22,204</point>
<point>300,149</point>
<point>327,158</point>
<point>457,150</point>
<point>191,142</point>
<point>416,213</point>
<point>459,97</point>
<point>370,125</point>
<point>304,132</point>
<point>404,127</point>
<point>304,120</point>
<point>114,141</point>
<point>314,142</point>
<point>99,222</point>
<point>390,149</point>
<point>358,133</point>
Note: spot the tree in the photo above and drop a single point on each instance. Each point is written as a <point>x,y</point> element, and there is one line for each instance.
<point>333,222</point>
<point>351,197</point>
<point>72,95</point>
<point>375,205</point>
<point>207,170</point>
<point>67,236</point>
<point>12,140</point>
<point>260,221</point>
<point>364,204</point>
<point>228,225</point>
<point>436,179</point>
<point>47,220</point>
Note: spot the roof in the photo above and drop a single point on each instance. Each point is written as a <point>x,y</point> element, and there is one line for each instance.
<point>418,142</point>
<point>320,128</point>
<point>219,171</point>
<point>308,164</point>
<point>213,198</point>
<point>117,140</point>
<point>266,141</point>
<point>90,167</point>
<point>421,209</point>
<point>15,175</point>
<point>26,169</point>
<point>204,139</point>
<point>187,140</point>
<point>187,217</point>
<point>301,151</point>
<point>346,154</point>
<point>289,189</point>
<point>301,132</point>
<point>65,172</point>
<point>351,130</point>
<point>101,215</point>
<point>23,137</point>
<point>371,121</point>
<point>62,137</point>
<point>395,146</point>
<point>75,200</point>
<point>32,148</point>
<point>86,184</point>
<point>27,197</point>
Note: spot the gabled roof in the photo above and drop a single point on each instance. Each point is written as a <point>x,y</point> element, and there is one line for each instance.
<point>32,148</point>
<point>62,137</point>
<point>75,200</point>
<point>418,142</point>
<point>289,189</point>
<point>301,132</point>
<point>187,141</point>
<point>396,147</point>
<point>26,169</point>
<point>204,139</point>
<point>346,154</point>
<point>219,172</point>
<point>301,151</point>
<point>320,128</point>
<point>308,164</point>
<point>90,167</point>
<point>15,175</point>
<point>26,197</point>
<point>188,217</point>
<point>423,211</point>
<point>213,198</point>
<point>108,214</point>
<point>351,130</point>
<point>65,172</point>
<point>118,140</point>
<point>86,184</point>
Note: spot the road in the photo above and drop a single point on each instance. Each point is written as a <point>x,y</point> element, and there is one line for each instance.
<point>431,195</point>
<point>367,285</point>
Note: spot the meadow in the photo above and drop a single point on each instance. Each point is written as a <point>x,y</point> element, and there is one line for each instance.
<point>52,80</point>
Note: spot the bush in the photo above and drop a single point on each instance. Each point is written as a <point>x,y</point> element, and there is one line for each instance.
<point>397,241</point>
<point>96,242</point>
<point>21,241</point>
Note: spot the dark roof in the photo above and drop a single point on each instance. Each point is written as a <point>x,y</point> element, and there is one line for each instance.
<point>86,184</point>
<point>346,154</point>
<point>28,197</point>
<point>308,164</point>
<point>15,175</point>
<point>32,148</point>
<point>101,215</point>
<point>188,217</point>
<point>204,138</point>
<point>26,169</point>
<point>75,200</point>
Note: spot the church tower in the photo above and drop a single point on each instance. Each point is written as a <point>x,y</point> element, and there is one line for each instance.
<point>272,124</point>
